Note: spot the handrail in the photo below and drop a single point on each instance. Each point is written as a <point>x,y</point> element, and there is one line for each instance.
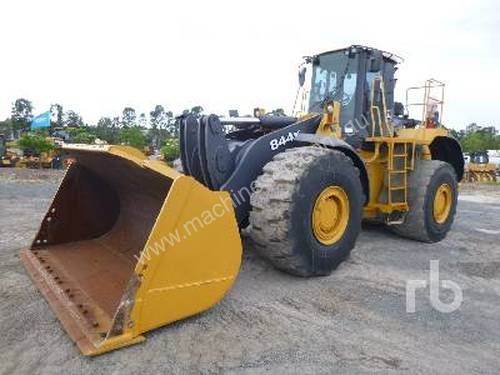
<point>383,124</point>
<point>430,85</point>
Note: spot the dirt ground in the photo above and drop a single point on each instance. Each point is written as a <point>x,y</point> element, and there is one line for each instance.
<point>352,322</point>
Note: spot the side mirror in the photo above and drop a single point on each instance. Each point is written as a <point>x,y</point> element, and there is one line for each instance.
<point>375,62</point>
<point>302,76</point>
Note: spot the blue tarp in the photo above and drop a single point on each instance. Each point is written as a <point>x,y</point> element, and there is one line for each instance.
<point>41,121</point>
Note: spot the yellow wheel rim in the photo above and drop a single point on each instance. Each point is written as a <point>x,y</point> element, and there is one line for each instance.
<point>330,215</point>
<point>442,203</point>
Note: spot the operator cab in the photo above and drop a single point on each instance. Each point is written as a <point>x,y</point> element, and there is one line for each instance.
<point>479,157</point>
<point>346,76</point>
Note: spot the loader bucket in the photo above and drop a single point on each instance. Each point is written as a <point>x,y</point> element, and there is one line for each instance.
<point>128,245</point>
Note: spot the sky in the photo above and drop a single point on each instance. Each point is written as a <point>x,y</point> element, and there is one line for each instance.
<point>97,57</point>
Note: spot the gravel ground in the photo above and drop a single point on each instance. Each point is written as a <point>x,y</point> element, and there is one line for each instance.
<point>353,321</point>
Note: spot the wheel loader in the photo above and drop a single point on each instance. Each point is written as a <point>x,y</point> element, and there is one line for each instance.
<point>7,157</point>
<point>129,244</point>
<point>479,168</point>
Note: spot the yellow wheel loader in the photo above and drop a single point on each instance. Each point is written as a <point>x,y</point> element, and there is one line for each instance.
<point>479,169</point>
<point>7,158</point>
<point>129,244</point>
<point>43,160</point>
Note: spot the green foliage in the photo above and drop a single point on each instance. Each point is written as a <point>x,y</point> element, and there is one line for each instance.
<point>171,149</point>
<point>458,135</point>
<point>133,137</point>
<point>142,122</point>
<point>106,130</point>
<point>163,125</point>
<point>105,122</point>
<point>21,114</point>
<point>35,142</point>
<point>128,117</point>
<point>73,119</point>
<point>279,112</point>
<point>81,135</point>
<point>479,141</point>
<point>6,128</point>
<point>196,111</point>
<point>157,117</point>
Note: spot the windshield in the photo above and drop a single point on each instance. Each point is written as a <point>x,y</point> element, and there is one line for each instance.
<point>334,77</point>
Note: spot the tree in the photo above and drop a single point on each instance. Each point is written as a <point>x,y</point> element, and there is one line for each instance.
<point>73,119</point>
<point>57,116</point>
<point>128,117</point>
<point>35,143</point>
<point>479,141</point>
<point>278,112</point>
<point>81,135</point>
<point>458,135</point>
<point>196,111</point>
<point>104,122</point>
<point>106,131</point>
<point>142,121</point>
<point>6,128</point>
<point>171,125</point>
<point>133,137</point>
<point>21,115</point>
<point>171,149</point>
<point>116,123</point>
<point>157,119</point>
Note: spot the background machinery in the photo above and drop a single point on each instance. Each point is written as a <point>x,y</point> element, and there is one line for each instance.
<point>7,158</point>
<point>129,244</point>
<point>479,168</point>
<point>51,158</point>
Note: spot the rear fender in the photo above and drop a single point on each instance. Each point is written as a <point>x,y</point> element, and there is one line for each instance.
<point>448,149</point>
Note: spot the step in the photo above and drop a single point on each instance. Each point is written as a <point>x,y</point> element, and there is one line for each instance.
<point>398,171</point>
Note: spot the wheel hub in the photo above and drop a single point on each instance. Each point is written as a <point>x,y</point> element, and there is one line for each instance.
<point>330,215</point>
<point>442,203</point>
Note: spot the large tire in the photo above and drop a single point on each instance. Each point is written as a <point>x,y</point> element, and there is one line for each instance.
<point>420,223</point>
<point>283,203</point>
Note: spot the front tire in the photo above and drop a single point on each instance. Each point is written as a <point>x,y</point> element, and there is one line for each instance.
<point>432,197</point>
<point>307,210</point>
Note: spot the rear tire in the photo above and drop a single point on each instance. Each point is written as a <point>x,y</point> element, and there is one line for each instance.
<point>425,221</point>
<point>286,195</point>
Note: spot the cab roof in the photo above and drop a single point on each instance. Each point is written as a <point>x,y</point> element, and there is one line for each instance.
<point>355,47</point>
